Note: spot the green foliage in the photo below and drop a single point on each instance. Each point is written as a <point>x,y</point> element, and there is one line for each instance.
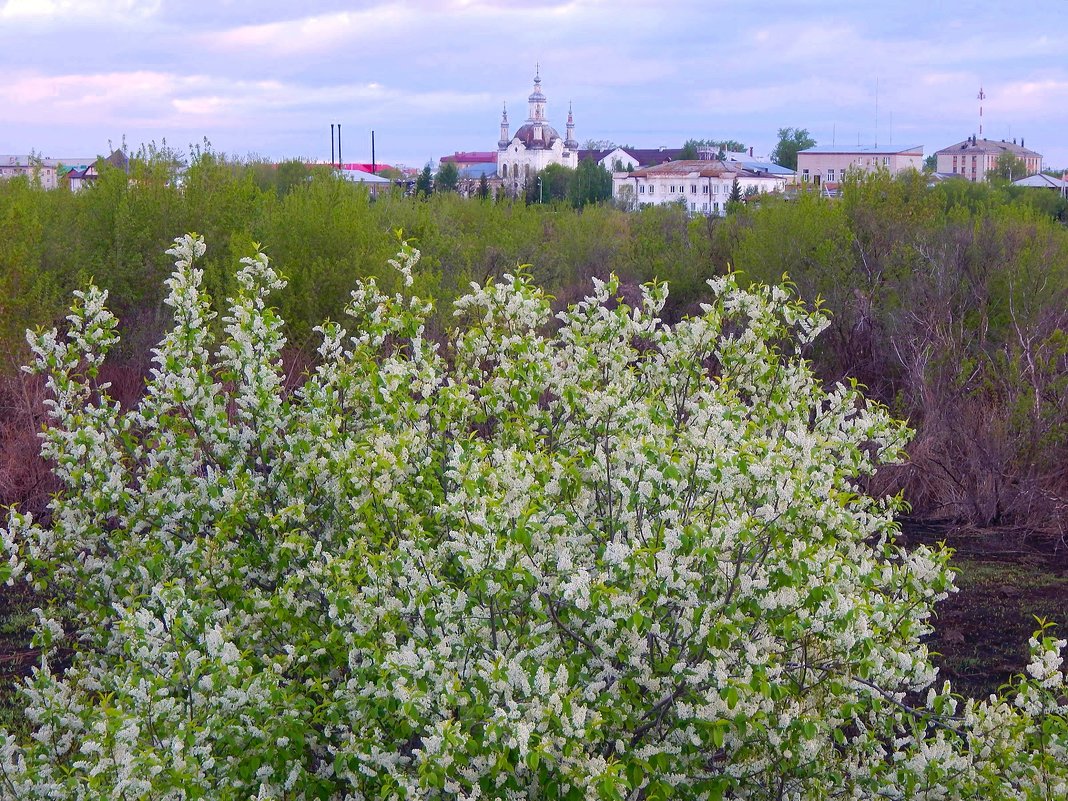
<point>791,140</point>
<point>1009,168</point>
<point>448,177</point>
<point>550,185</point>
<point>736,192</point>
<point>424,184</point>
<point>692,147</point>
<point>290,174</point>
<point>591,183</point>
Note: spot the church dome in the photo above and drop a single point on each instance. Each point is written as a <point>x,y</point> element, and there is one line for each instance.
<point>526,135</point>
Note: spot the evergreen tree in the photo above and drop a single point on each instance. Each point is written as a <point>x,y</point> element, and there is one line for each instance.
<point>736,192</point>
<point>448,178</point>
<point>424,184</point>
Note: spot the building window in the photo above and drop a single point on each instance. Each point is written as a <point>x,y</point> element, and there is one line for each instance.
<point>704,189</point>
<point>886,161</point>
<point>704,207</point>
<point>693,189</point>
<point>715,189</point>
<point>504,170</point>
<point>641,189</point>
<point>693,207</point>
<point>804,176</point>
<point>830,174</point>
<point>652,189</point>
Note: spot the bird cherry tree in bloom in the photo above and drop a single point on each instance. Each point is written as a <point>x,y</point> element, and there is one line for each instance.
<point>587,555</point>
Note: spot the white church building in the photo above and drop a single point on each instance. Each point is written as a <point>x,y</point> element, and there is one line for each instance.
<point>535,144</point>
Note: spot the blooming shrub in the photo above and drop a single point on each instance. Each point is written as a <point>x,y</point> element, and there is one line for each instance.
<point>584,556</point>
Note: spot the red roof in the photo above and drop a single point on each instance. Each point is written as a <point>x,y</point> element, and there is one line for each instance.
<point>471,157</point>
<point>353,165</point>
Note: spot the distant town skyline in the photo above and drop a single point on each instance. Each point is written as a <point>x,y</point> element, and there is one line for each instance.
<point>267,78</point>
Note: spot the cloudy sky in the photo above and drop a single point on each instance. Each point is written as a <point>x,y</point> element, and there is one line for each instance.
<point>268,77</point>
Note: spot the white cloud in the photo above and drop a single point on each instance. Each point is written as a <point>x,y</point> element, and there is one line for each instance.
<point>80,9</point>
<point>313,33</point>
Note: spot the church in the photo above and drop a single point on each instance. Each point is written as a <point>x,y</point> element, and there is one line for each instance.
<point>535,145</point>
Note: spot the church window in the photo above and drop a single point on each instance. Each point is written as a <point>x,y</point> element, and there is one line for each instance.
<point>526,170</point>
<point>504,170</point>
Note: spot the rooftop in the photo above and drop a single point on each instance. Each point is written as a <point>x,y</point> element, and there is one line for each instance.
<point>988,146</point>
<point>688,168</point>
<point>866,150</point>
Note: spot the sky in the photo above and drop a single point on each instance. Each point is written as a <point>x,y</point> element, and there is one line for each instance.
<point>266,78</point>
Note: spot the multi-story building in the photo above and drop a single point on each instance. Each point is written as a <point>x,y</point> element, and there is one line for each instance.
<point>535,144</point>
<point>45,170</point>
<point>975,158</point>
<point>819,166</point>
<point>703,187</point>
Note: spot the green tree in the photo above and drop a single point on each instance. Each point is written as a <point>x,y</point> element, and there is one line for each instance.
<point>791,141</point>
<point>448,177</point>
<point>736,192</point>
<point>1009,168</point>
<point>930,164</point>
<point>290,174</point>
<point>688,151</point>
<point>692,148</point>
<point>483,187</point>
<point>556,182</point>
<point>424,184</point>
<point>591,183</point>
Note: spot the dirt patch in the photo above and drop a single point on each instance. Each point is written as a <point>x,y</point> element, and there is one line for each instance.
<point>1007,579</point>
<point>17,658</point>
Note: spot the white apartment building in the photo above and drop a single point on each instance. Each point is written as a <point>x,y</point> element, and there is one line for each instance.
<point>703,187</point>
<point>828,165</point>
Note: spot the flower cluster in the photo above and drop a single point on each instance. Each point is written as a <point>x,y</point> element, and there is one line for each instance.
<point>576,555</point>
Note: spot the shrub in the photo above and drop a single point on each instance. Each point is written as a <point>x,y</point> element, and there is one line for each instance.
<point>595,556</point>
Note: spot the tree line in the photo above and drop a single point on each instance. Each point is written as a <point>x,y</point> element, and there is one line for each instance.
<point>947,302</point>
